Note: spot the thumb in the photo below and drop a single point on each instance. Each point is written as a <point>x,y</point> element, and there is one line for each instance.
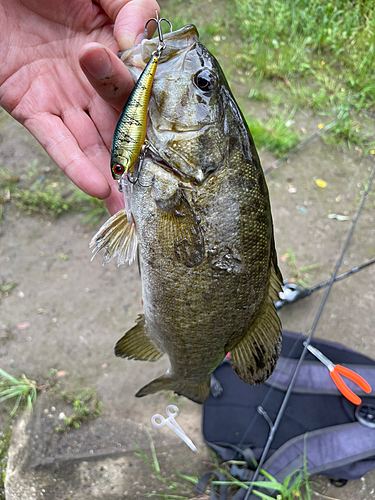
<point>130,17</point>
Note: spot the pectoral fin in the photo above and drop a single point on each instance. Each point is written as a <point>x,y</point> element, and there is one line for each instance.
<point>255,356</point>
<point>197,392</point>
<point>136,345</point>
<point>118,237</point>
<point>180,228</point>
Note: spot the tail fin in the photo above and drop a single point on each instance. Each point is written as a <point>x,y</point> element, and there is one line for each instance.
<point>197,392</point>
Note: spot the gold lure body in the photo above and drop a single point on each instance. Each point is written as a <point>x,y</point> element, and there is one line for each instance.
<point>130,132</point>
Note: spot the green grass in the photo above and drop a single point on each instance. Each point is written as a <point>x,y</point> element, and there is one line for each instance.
<point>6,288</point>
<point>45,200</point>
<point>48,194</point>
<point>22,389</point>
<point>5,435</point>
<point>48,200</point>
<point>277,135</point>
<point>310,54</point>
<point>313,38</point>
<point>300,275</point>
<point>320,55</point>
<point>8,183</point>
<point>176,489</point>
<point>295,486</point>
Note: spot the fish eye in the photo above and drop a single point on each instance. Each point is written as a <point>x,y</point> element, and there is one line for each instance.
<point>204,80</point>
<point>118,169</point>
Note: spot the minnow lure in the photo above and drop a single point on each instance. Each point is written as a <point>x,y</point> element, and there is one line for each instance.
<point>130,132</point>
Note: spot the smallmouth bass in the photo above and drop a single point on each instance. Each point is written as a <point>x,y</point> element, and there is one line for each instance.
<point>204,226</point>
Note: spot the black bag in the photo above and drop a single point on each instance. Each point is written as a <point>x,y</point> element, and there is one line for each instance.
<point>337,437</point>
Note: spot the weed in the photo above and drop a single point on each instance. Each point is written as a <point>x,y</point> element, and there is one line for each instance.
<point>178,490</point>
<point>22,389</point>
<point>290,489</point>
<point>47,201</point>
<point>348,130</point>
<point>8,182</point>
<point>7,179</point>
<point>5,436</point>
<point>276,135</point>
<point>86,405</point>
<point>323,55</point>
<point>94,207</point>
<point>300,275</point>
<point>6,288</point>
<point>32,168</point>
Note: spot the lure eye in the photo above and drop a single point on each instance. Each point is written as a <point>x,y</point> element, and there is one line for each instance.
<point>204,80</point>
<point>118,169</point>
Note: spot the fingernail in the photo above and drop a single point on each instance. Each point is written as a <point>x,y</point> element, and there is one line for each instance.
<point>139,38</point>
<point>98,66</point>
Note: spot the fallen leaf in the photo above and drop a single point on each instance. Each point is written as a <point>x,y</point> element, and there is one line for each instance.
<point>337,216</point>
<point>23,326</point>
<point>322,184</point>
<point>320,126</point>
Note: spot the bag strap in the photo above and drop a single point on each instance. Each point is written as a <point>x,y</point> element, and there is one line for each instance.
<point>313,377</point>
<point>203,481</point>
<point>327,448</point>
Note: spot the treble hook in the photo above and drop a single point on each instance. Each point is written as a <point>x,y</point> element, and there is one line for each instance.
<point>142,156</point>
<point>158,21</point>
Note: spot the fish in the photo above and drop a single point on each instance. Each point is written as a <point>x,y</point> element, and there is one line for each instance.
<point>205,237</point>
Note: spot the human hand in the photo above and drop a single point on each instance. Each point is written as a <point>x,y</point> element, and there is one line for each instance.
<point>43,87</point>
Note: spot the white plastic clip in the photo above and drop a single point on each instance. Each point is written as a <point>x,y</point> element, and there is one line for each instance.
<point>172,412</point>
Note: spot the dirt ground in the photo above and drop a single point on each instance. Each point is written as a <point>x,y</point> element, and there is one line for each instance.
<point>67,313</point>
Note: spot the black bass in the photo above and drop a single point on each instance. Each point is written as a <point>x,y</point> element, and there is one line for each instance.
<point>203,220</point>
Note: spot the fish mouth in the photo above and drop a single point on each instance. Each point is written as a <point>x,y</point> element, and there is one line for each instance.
<point>158,160</point>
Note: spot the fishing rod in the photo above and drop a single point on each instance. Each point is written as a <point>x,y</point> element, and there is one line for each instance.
<point>293,292</point>
<point>284,403</point>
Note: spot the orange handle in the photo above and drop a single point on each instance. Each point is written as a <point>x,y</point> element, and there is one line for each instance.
<point>344,389</point>
<point>360,381</point>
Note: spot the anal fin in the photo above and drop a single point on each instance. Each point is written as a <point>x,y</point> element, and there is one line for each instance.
<point>136,345</point>
<point>197,392</point>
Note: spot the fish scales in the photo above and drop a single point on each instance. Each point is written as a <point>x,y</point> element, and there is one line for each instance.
<point>203,218</point>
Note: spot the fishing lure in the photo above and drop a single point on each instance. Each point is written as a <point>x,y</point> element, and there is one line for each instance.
<point>130,133</point>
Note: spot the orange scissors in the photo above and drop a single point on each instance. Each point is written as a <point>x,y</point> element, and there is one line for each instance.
<point>336,370</point>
